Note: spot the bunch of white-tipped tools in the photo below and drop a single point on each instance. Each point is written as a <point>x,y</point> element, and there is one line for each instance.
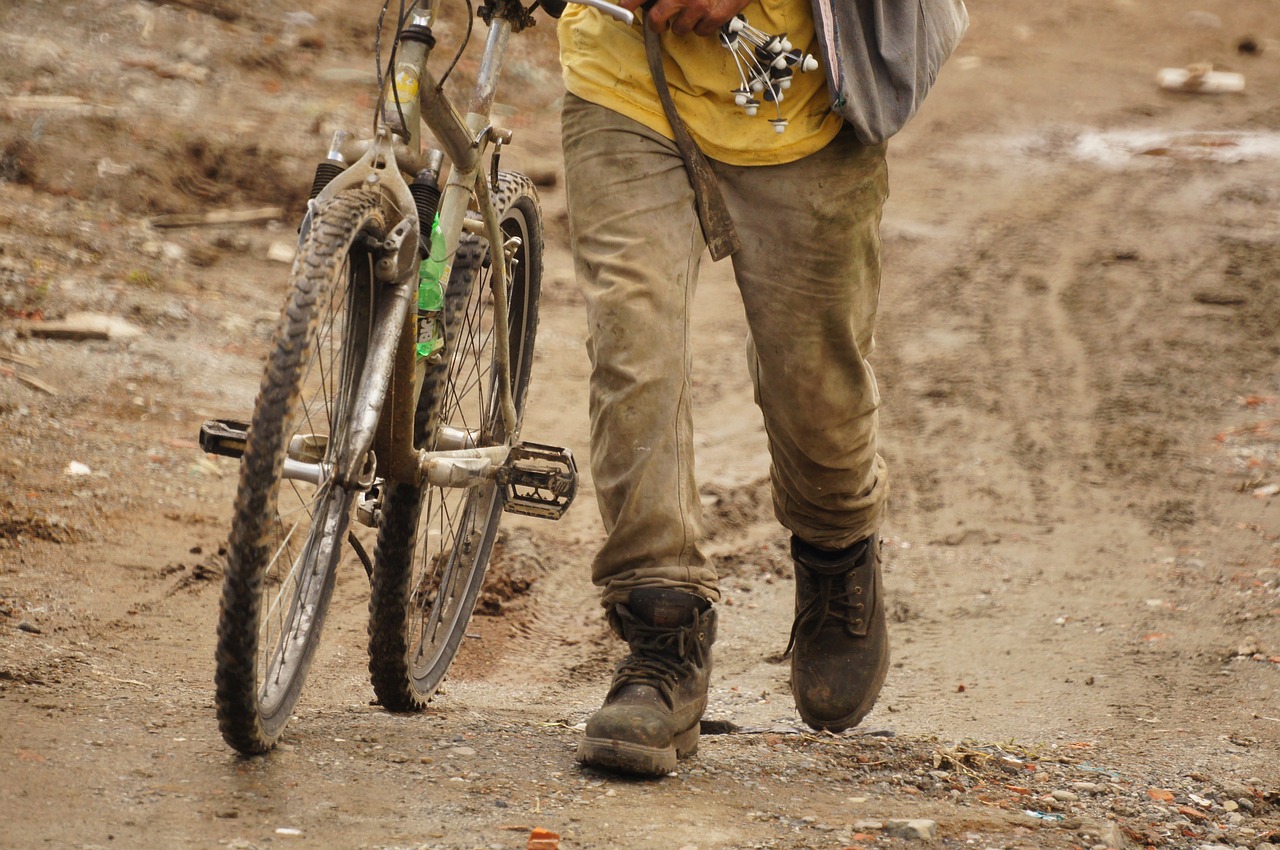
<point>766,63</point>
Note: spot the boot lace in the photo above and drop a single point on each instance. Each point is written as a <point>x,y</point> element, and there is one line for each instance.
<point>842,606</point>
<point>659,656</point>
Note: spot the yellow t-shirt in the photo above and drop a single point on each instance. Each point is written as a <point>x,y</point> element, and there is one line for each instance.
<point>604,63</point>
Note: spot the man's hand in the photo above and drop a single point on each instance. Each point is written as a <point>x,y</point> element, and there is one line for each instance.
<point>682,17</point>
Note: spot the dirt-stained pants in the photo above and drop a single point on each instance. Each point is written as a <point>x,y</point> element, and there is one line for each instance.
<point>809,274</point>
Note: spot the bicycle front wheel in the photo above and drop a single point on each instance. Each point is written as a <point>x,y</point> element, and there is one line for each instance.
<point>434,543</point>
<point>288,531</point>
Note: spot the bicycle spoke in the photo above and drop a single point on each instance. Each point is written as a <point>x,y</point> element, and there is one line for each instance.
<point>469,386</point>
<point>314,363</point>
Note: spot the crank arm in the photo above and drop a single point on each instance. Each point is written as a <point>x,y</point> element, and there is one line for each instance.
<point>462,467</point>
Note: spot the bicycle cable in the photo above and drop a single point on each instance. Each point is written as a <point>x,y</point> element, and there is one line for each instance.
<point>466,39</point>
<point>389,72</point>
<point>401,19</point>
<point>377,61</point>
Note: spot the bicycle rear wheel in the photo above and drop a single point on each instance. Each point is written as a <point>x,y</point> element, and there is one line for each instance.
<point>287,533</point>
<point>434,543</point>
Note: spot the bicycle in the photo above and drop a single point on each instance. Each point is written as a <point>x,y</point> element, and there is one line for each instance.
<point>410,415</point>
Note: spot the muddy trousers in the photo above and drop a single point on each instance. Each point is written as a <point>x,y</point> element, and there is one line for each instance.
<point>809,275</point>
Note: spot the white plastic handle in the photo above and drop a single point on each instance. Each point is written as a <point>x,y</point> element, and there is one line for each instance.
<point>611,9</point>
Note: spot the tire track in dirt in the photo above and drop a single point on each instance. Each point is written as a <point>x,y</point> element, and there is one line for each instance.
<point>982,360</point>
<point>1040,402</point>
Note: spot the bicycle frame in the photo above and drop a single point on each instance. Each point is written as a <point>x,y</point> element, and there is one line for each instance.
<point>391,375</point>
<point>364,378</point>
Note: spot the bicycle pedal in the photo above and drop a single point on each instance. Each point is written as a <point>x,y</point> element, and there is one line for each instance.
<point>538,480</point>
<point>225,437</point>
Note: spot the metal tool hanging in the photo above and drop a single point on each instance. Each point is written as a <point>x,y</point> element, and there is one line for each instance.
<point>766,63</point>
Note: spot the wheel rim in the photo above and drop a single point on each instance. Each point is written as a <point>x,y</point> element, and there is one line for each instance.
<point>455,527</point>
<point>311,519</point>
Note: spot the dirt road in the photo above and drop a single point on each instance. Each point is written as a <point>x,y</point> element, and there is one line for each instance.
<point>1078,353</point>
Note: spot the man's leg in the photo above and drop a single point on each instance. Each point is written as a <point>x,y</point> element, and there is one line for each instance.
<point>809,271</point>
<point>636,244</point>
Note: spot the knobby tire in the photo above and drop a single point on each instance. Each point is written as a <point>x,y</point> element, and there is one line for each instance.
<point>434,544</point>
<point>287,535</point>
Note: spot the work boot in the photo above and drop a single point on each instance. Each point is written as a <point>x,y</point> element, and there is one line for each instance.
<point>651,714</point>
<point>840,639</point>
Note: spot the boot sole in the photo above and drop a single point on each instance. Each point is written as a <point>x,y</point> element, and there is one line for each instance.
<point>638,759</point>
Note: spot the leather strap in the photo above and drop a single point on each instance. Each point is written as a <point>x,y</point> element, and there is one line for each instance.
<point>713,215</point>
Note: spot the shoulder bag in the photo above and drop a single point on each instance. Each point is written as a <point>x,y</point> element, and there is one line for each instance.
<point>882,56</point>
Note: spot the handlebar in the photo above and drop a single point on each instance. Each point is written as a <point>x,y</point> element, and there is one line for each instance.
<point>611,9</point>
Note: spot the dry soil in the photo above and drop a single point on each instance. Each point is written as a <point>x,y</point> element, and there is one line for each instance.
<point>1078,344</point>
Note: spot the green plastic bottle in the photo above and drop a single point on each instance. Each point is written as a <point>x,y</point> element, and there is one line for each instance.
<point>431,297</point>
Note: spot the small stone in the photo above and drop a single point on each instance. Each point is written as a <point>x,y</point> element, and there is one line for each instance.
<point>1207,20</point>
<point>914,829</point>
<point>463,751</point>
<point>1237,790</point>
<point>173,252</point>
<point>1230,805</point>
<point>867,826</point>
<point>1065,797</point>
<point>1112,835</point>
<point>281,251</point>
<point>1088,787</point>
<point>193,51</point>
